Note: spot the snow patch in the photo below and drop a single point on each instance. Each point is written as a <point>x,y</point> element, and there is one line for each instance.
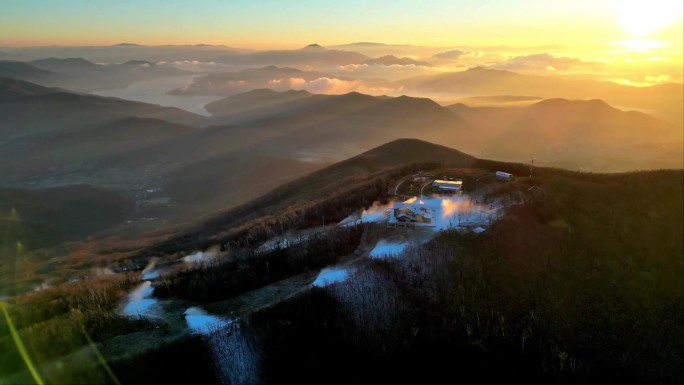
<point>384,249</point>
<point>139,302</point>
<point>152,274</point>
<point>149,272</point>
<point>200,256</point>
<point>201,322</point>
<point>330,275</point>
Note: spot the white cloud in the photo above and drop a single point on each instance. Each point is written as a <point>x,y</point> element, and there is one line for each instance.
<point>450,54</point>
<point>192,62</point>
<point>327,85</point>
<point>545,61</point>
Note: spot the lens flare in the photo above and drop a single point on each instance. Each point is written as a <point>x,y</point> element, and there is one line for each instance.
<point>20,346</point>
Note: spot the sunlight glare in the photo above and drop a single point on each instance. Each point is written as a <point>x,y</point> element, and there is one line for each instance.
<point>640,18</point>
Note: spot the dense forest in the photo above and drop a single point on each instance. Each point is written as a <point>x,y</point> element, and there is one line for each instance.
<point>213,282</point>
<point>581,284</point>
<point>297,205</point>
<point>584,285</point>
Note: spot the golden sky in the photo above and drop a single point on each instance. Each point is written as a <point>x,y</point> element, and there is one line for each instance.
<point>641,38</point>
<point>286,24</point>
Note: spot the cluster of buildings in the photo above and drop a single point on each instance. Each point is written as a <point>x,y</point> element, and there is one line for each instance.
<point>418,214</point>
<point>413,213</point>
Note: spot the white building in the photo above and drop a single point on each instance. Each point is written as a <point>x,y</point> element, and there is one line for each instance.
<point>504,175</point>
<point>447,186</point>
<point>415,214</point>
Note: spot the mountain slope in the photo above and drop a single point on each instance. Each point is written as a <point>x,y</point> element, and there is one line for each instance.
<point>27,109</point>
<point>23,71</point>
<point>229,83</point>
<point>389,60</point>
<point>83,150</point>
<point>39,218</point>
<point>308,56</point>
<point>298,109</point>
<point>402,152</point>
<point>59,65</point>
<point>253,102</point>
<point>665,99</point>
<point>574,133</point>
<point>55,138</point>
<point>15,88</point>
<point>334,127</point>
<point>344,182</point>
<point>85,76</point>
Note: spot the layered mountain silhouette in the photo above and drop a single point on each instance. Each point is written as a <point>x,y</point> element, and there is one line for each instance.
<point>59,138</point>
<point>42,218</point>
<point>666,99</point>
<point>377,49</point>
<point>83,75</point>
<point>255,102</point>
<point>53,137</point>
<point>229,83</point>
<point>59,65</point>
<point>328,181</point>
<point>566,130</point>
<point>311,55</point>
<point>389,60</point>
<point>23,71</point>
<point>123,52</point>
<point>27,109</point>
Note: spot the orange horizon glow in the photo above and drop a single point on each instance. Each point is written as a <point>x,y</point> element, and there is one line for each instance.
<point>626,41</point>
<point>280,25</point>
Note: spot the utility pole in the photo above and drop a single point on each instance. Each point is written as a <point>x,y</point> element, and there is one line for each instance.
<point>532,167</point>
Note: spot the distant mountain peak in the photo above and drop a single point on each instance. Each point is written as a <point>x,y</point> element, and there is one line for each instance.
<point>389,60</point>
<point>297,92</point>
<point>409,150</point>
<point>367,43</point>
<point>355,93</point>
<point>127,45</point>
<point>314,47</point>
<point>596,104</point>
<point>352,97</point>
<point>482,70</point>
<point>276,68</point>
<point>69,60</point>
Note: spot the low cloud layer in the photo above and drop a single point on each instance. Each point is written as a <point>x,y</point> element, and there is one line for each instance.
<point>545,61</point>
<point>450,54</point>
<point>326,85</point>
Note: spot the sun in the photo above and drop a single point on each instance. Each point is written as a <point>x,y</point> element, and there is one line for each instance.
<point>641,18</point>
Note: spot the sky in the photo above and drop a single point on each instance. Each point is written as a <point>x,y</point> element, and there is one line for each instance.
<point>289,24</point>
